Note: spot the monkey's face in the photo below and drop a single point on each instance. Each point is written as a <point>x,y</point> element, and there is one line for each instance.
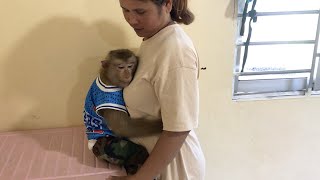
<point>120,72</point>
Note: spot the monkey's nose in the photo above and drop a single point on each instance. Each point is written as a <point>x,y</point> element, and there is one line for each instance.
<point>127,77</point>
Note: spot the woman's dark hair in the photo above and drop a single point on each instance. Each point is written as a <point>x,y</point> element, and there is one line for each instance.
<point>180,11</point>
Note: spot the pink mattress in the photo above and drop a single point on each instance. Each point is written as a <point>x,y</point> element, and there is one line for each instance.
<point>51,154</point>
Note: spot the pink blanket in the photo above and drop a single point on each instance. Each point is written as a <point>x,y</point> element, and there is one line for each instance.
<point>60,153</point>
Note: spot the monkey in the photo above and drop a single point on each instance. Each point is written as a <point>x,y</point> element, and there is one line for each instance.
<point>107,121</point>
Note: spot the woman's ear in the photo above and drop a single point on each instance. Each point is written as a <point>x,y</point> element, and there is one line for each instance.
<point>168,5</point>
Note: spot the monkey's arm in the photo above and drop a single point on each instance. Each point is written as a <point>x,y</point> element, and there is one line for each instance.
<point>122,125</point>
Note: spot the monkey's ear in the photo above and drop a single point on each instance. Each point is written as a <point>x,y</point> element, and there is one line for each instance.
<point>104,63</point>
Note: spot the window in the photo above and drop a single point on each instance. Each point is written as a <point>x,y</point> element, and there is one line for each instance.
<point>277,49</point>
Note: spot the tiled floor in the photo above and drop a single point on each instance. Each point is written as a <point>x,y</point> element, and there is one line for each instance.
<point>50,154</point>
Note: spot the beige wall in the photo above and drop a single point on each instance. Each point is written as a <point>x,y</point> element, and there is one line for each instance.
<point>50,52</point>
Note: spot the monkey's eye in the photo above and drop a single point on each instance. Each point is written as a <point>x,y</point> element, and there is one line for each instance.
<point>120,67</point>
<point>130,66</point>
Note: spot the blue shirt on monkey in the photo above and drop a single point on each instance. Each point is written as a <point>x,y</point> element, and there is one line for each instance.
<point>101,96</point>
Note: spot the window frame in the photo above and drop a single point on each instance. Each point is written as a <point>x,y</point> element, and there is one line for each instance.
<point>277,87</point>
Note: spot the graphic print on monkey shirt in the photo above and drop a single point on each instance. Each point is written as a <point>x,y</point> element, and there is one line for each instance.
<point>101,96</point>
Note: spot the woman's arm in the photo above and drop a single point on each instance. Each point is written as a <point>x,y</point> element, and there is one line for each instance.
<point>166,148</point>
<point>122,125</point>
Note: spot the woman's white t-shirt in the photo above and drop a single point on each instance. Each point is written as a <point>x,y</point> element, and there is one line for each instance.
<point>165,87</point>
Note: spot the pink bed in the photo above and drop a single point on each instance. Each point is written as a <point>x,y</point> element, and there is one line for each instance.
<point>60,153</point>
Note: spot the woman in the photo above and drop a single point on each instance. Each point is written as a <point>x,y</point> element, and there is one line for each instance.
<point>165,87</point>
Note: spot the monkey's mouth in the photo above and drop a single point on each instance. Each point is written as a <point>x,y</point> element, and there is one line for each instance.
<point>126,81</point>
<point>124,84</point>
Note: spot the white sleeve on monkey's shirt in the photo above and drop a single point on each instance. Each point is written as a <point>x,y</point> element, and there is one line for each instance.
<point>101,96</point>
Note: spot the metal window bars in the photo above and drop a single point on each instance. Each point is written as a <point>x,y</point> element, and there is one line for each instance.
<point>314,79</point>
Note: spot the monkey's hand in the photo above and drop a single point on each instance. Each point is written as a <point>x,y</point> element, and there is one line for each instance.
<point>122,125</point>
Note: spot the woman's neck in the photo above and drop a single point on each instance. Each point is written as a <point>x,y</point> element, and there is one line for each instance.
<point>170,22</point>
